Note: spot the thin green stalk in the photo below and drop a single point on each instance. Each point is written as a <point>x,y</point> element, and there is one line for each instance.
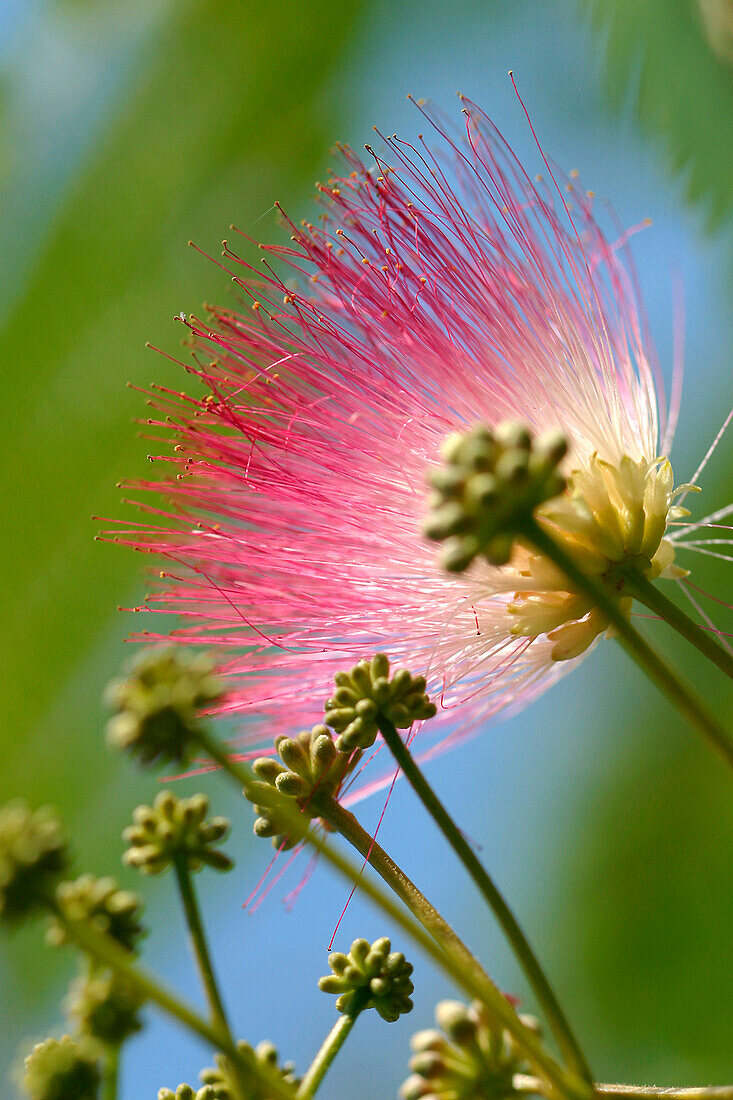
<point>665,678</point>
<point>111,1073</point>
<point>651,1092</point>
<point>109,952</point>
<point>460,966</point>
<point>344,822</point>
<point>329,1049</point>
<point>298,825</point>
<point>556,1018</point>
<point>199,944</point>
<point>647,593</point>
<point>202,955</point>
<point>524,1083</point>
<point>499,1008</point>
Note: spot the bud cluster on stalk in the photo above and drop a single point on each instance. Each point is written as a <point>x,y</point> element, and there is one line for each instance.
<point>62,1069</point>
<point>160,701</point>
<point>175,828</point>
<point>105,1006</point>
<point>264,1056</point>
<point>313,765</point>
<point>33,856</point>
<point>372,975</point>
<point>310,769</point>
<point>367,693</point>
<point>101,903</point>
<point>464,1057</point>
<point>490,484</point>
<point>157,705</point>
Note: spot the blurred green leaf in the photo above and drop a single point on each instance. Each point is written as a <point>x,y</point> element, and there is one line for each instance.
<point>225,115</point>
<point>648,894</point>
<point>218,127</point>
<point>658,57</point>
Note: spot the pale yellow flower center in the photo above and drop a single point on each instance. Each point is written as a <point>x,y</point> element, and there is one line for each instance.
<point>609,517</point>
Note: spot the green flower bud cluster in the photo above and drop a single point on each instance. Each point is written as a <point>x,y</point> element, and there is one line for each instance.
<point>62,1069</point>
<point>157,705</point>
<point>490,485</point>
<point>370,976</point>
<point>310,766</point>
<point>366,694</point>
<point>105,1007</point>
<point>185,1092</point>
<point>175,828</point>
<point>102,903</point>
<point>33,855</point>
<point>463,1059</point>
<point>264,1056</point>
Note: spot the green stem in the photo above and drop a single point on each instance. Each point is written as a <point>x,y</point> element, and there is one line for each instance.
<point>458,964</point>
<point>111,1072</point>
<point>500,1010</point>
<point>199,944</point>
<point>665,678</point>
<point>650,1092</point>
<point>556,1018</point>
<point>524,1083</point>
<point>329,1049</point>
<point>648,594</point>
<point>108,951</point>
<point>298,824</point>
<point>344,822</point>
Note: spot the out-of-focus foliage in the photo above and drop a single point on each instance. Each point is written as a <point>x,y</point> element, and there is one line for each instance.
<point>657,54</point>
<point>203,113</point>
<point>199,138</point>
<point>718,17</point>
<point>648,893</point>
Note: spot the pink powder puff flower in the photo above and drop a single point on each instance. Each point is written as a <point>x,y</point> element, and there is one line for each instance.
<point>436,294</point>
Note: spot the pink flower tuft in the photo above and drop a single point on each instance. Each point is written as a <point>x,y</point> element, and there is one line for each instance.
<point>437,293</point>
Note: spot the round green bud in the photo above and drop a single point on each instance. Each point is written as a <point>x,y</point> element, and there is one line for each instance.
<point>417,1088</point>
<point>429,1039</point>
<point>185,1092</point>
<point>366,694</point>
<point>33,856</point>
<point>429,1064</point>
<point>62,1069</point>
<point>267,769</point>
<point>101,903</point>
<point>293,786</point>
<point>458,1021</point>
<point>175,828</point>
<point>157,706</point>
<point>491,485</point>
<point>370,976</point>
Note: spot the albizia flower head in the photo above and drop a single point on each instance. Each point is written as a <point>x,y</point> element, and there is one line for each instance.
<point>441,291</point>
